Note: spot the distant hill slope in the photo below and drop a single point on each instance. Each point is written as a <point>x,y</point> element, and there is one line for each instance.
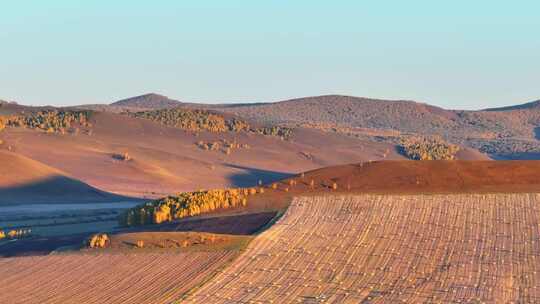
<point>23,180</point>
<point>508,132</point>
<point>503,131</point>
<point>165,159</point>
<point>526,106</point>
<point>148,101</point>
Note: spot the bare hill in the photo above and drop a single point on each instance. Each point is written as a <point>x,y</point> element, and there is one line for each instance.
<point>23,180</point>
<point>165,159</point>
<point>147,101</point>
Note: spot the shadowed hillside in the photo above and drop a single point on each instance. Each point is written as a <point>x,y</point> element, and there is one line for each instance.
<point>23,180</point>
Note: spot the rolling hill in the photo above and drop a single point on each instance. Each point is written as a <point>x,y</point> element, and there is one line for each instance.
<point>23,180</point>
<point>504,133</point>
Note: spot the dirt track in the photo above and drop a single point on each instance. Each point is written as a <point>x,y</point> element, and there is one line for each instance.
<point>476,248</point>
<point>105,278</point>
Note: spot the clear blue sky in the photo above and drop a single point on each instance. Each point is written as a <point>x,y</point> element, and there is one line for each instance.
<point>455,54</point>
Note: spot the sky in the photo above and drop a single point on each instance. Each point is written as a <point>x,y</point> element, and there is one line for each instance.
<point>455,54</point>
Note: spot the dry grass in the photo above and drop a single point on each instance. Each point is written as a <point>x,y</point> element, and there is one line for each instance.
<point>391,249</point>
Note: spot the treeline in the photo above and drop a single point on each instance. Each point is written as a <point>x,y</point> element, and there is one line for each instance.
<point>15,234</point>
<point>203,120</point>
<point>53,121</point>
<point>185,205</point>
<point>428,148</point>
<point>193,120</point>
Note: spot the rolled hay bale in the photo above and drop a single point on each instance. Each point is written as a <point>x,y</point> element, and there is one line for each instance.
<point>140,244</point>
<point>98,240</point>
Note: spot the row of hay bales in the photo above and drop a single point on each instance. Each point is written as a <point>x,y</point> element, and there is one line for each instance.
<point>15,233</point>
<point>53,121</point>
<point>185,205</point>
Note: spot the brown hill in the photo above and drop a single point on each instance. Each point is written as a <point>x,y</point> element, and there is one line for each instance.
<point>509,132</point>
<point>147,101</point>
<point>501,132</point>
<point>23,180</point>
<point>164,159</point>
<point>529,105</point>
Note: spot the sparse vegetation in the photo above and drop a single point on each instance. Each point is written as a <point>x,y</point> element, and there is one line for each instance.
<point>203,120</point>
<point>424,148</point>
<point>279,131</point>
<point>184,205</point>
<point>193,120</point>
<point>223,145</point>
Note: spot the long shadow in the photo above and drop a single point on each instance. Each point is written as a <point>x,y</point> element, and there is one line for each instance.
<point>251,176</point>
<point>517,156</point>
<point>537,133</point>
<point>53,190</point>
<point>56,189</point>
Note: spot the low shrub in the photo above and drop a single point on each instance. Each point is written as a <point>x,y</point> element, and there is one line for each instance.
<point>98,240</point>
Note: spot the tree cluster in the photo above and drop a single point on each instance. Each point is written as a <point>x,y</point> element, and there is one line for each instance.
<point>52,121</point>
<point>185,205</point>
<point>428,148</point>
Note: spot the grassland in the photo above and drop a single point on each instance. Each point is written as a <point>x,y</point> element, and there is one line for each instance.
<point>475,248</point>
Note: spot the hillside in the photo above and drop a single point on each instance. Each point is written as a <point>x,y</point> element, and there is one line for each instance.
<point>165,159</point>
<point>500,132</point>
<point>459,248</point>
<point>23,180</point>
<point>147,101</point>
<point>504,133</point>
<point>526,106</point>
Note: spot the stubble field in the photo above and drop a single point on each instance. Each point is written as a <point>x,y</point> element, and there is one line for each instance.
<point>458,248</point>
<point>106,278</point>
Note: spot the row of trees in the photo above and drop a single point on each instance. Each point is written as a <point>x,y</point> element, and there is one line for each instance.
<point>203,120</point>
<point>52,121</point>
<point>185,205</point>
<point>15,233</point>
<point>193,120</point>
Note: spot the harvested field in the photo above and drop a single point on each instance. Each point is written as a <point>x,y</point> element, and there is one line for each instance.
<point>456,248</point>
<point>106,278</point>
